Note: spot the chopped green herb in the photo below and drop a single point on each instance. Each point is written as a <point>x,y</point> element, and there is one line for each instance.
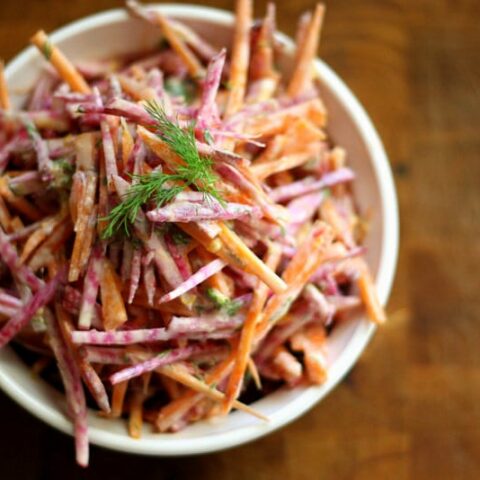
<point>230,307</point>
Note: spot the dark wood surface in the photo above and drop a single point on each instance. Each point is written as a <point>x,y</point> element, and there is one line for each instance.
<point>410,408</point>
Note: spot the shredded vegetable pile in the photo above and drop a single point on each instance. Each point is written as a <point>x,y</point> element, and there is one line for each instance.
<point>176,226</point>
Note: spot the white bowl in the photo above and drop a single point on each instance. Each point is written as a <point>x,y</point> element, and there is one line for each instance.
<point>113,32</point>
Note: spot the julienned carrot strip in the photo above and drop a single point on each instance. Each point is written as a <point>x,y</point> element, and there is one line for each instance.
<point>301,34</point>
<point>253,370</point>
<point>85,211</point>
<point>64,67</point>
<point>173,412</point>
<point>193,65</point>
<point>118,396</point>
<point>5,218</point>
<point>284,163</point>
<point>236,252</point>
<point>260,294</point>
<point>180,374</point>
<point>41,233</point>
<point>297,274</point>
<point>137,89</point>
<point>127,143</point>
<point>20,204</point>
<point>135,419</point>
<point>302,74</point>
<point>287,366</point>
<point>89,239</point>
<point>240,57</point>
<point>311,341</point>
<point>277,122</point>
<point>369,295</point>
<point>4,96</point>
<point>113,307</point>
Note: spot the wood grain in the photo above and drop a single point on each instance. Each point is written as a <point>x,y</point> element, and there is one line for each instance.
<point>410,408</point>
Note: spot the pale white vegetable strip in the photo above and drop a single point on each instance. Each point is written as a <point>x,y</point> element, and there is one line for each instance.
<point>9,255</point>
<point>90,289</point>
<point>135,274</point>
<point>198,277</point>
<point>70,374</point>
<point>183,212</point>
<point>23,316</point>
<point>165,358</point>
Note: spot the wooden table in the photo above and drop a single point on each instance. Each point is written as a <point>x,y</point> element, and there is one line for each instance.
<point>410,408</point>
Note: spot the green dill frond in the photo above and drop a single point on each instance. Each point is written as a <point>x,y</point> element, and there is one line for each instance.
<point>196,171</point>
<point>159,187</point>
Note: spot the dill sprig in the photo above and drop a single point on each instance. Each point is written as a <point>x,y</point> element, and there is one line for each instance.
<point>152,187</point>
<point>162,187</point>
<point>196,171</point>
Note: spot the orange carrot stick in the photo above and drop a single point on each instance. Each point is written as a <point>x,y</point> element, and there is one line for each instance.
<point>193,65</point>
<point>236,252</point>
<point>302,74</point>
<point>4,96</point>
<point>369,295</point>
<point>246,339</point>
<point>175,410</point>
<point>81,225</point>
<point>311,341</point>
<point>287,162</point>
<point>113,307</point>
<point>180,374</point>
<point>240,57</point>
<point>64,67</point>
<point>135,419</point>
<point>118,397</point>
<point>20,204</point>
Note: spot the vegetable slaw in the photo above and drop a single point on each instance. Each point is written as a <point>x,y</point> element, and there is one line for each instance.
<point>177,224</point>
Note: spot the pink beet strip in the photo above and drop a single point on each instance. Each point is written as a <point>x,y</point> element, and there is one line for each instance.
<point>179,257</point>
<point>95,385</point>
<point>183,212</point>
<point>165,358</point>
<point>208,323</point>
<point>23,315</point>
<point>208,110</point>
<point>147,335</point>
<point>90,289</point>
<point>198,277</point>
<point>9,255</point>
<point>70,374</point>
<point>309,184</point>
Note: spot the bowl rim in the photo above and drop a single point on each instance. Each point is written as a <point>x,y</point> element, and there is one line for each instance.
<point>163,445</point>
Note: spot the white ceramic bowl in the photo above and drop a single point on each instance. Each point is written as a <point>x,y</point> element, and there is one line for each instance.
<point>113,32</point>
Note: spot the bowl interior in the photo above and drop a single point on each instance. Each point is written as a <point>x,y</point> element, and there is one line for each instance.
<point>113,33</point>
